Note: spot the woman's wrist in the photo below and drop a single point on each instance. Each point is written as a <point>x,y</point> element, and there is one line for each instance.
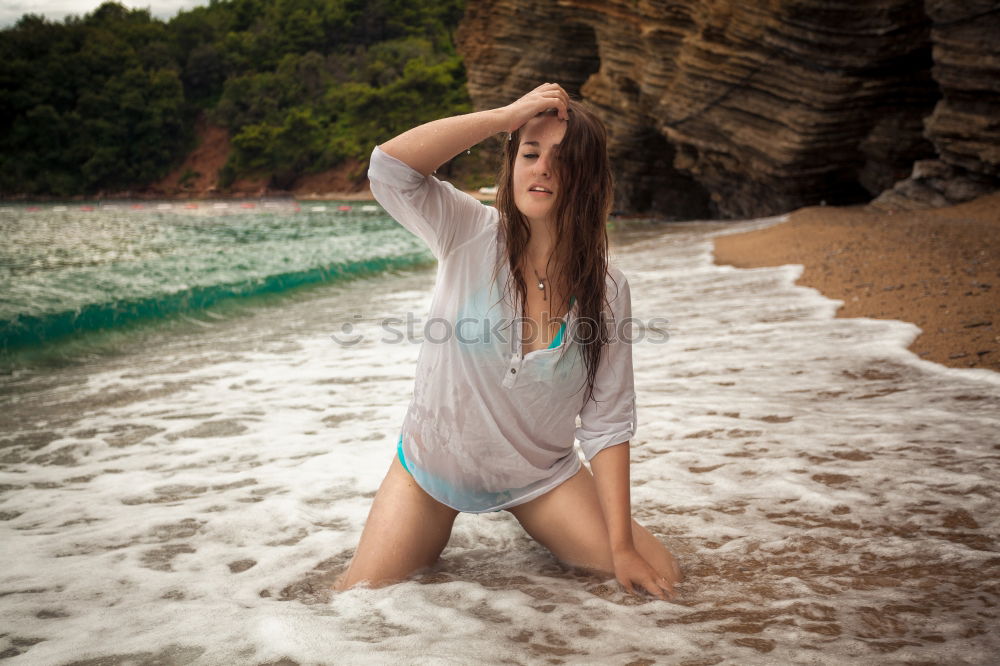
<point>501,119</point>
<point>508,118</point>
<point>428,146</point>
<point>622,546</point>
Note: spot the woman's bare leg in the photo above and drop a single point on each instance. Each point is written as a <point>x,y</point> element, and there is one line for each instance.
<point>569,521</point>
<point>406,531</point>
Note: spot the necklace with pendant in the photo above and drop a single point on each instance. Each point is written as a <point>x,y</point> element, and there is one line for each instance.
<point>541,283</point>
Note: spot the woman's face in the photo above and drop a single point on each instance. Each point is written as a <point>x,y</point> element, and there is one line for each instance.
<point>536,186</point>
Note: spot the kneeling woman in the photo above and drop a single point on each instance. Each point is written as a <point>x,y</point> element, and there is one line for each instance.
<point>535,334</point>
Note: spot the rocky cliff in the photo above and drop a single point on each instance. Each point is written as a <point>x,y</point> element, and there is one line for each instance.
<point>717,108</point>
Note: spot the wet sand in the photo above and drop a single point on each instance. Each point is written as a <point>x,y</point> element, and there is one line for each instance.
<point>939,269</point>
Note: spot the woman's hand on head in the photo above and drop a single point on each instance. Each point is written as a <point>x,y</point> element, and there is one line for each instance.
<point>544,97</point>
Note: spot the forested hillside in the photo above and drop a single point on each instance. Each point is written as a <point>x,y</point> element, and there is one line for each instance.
<point>108,101</point>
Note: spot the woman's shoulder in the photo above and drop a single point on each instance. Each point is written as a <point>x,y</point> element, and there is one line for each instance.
<point>615,280</point>
<point>615,273</point>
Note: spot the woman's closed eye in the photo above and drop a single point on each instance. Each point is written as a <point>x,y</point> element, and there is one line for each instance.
<point>530,155</point>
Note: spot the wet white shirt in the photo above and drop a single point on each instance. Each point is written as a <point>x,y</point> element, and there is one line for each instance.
<point>489,427</point>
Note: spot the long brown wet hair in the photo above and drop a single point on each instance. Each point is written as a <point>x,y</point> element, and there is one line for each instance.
<point>580,258</point>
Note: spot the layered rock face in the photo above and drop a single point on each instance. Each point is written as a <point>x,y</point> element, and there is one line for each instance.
<point>724,109</point>
<point>965,124</point>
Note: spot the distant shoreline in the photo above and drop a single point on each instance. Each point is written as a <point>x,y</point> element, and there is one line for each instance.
<point>240,197</point>
<point>936,268</point>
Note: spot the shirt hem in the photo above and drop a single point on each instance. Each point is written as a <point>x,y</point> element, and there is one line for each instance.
<point>520,500</point>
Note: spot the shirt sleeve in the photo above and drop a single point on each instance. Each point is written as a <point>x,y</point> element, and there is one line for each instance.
<point>435,211</point>
<point>610,417</point>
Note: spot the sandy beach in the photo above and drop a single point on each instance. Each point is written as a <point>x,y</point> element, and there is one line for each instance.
<point>939,269</point>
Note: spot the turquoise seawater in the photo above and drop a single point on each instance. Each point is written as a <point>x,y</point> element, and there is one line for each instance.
<point>74,272</point>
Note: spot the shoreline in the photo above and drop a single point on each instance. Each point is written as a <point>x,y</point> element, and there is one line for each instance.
<point>361,195</point>
<point>937,268</point>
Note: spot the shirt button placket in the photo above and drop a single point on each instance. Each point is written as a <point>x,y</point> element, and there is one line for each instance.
<point>515,364</point>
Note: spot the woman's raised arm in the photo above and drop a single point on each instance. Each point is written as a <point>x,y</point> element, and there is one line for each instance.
<point>426,147</point>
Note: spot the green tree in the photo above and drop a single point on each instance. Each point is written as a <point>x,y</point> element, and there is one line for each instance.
<point>108,100</point>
